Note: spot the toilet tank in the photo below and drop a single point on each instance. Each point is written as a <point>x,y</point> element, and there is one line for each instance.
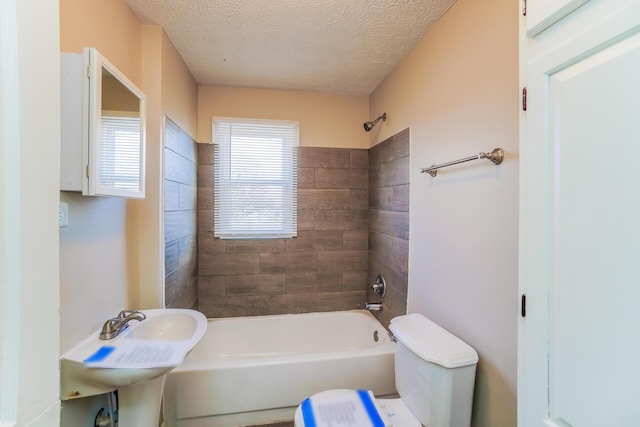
<point>435,372</point>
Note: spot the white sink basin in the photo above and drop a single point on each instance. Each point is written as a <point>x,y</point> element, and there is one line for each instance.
<point>176,327</point>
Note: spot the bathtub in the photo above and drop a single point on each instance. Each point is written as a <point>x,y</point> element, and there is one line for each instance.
<point>257,370</point>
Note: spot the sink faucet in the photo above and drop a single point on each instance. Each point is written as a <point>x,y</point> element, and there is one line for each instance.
<point>113,327</point>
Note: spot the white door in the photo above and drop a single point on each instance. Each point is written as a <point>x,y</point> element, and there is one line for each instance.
<point>541,14</point>
<point>579,349</point>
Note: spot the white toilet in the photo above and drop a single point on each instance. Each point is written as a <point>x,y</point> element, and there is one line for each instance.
<point>435,376</point>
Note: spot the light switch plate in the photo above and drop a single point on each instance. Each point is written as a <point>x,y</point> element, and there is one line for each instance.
<point>63,215</point>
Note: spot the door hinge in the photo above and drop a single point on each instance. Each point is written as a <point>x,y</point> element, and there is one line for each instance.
<point>524,7</point>
<point>88,71</point>
<point>523,305</point>
<point>524,99</point>
<point>87,171</point>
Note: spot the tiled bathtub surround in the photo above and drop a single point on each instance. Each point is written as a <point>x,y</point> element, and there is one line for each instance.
<point>389,222</point>
<point>323,269</point>
<point>181,263</point>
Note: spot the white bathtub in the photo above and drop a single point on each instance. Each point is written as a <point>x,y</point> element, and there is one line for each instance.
<point>257,370</point>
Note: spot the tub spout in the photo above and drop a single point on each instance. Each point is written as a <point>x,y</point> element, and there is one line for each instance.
<point>373,306</point>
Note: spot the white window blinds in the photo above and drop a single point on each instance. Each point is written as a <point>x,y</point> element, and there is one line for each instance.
<point>255,175</point>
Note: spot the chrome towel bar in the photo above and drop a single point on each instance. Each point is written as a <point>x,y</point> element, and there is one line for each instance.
<point>494,157</point>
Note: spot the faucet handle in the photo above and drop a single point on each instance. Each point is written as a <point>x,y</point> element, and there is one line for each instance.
<point>125,313</point>
<point>380,287</point>
<point>109,329</point>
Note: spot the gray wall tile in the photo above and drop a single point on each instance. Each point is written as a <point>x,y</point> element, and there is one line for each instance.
<point>306,178</point>
<point>342,178</point>
<point>324,199</point>
<point>359,159</point>
<point>187,197</point>
<point>254,245</point>
<point>228,264</point>
<point>306,219</point>
<point>229,306</point>
<point>205,154</point>
<point>355,240</point>
<point>315,240</point>
<point>207,244</point>
<point>178,168</point>
<point>187,148</point>
<point>171,256</point>
<point>316,157</point>
<point>180,219</point>
<point>171,196</point>
<point>256,284</point>
<point>389,223</point>
<point>186,298</point>
<point>205,198</point>
<point>179,224</point>
<point>211,286</point>
<point>355,280</point>
<point>351,219</point>
<point>313,302</point>
<point>288,262</point>
<point>321,281</point>
<point>171,136</point>
<point>205,220</point>
<point>394,223</point>
<point>205,176</point>
<point>343,261</point>
<point>359,199</point>
<point>353,224</point>
<point>305,273</point>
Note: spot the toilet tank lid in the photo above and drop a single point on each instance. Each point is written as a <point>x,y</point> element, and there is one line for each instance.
<point>432,342</point>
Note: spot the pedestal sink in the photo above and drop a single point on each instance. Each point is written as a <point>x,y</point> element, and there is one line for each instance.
<point>140,389</point>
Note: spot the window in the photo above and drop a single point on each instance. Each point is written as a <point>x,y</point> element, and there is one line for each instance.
<point>255,177</point>
<point>120,166</point>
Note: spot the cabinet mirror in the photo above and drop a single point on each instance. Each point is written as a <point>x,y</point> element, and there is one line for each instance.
<point>116,109</point>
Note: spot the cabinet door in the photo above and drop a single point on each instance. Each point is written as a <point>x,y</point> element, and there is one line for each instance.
<point>116,131</point>
<point>543,13</point>
<point>102,128</point>
<point>580,234</point>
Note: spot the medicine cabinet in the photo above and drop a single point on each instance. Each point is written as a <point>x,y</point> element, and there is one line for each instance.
<point>102,128</point>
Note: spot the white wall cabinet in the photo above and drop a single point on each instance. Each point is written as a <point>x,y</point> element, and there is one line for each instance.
<point>102,128</point>
<point>579,231</point>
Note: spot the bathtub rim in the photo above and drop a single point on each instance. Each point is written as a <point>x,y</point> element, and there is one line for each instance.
<point>192,363</point>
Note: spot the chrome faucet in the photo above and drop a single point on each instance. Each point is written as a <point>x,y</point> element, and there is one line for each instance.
<point>373,306</point>
<point>113,327</point>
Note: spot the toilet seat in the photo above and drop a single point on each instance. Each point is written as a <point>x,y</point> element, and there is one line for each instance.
<point>353,408</point>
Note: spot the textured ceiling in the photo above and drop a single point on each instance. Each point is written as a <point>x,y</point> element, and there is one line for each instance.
<point>337,46</point>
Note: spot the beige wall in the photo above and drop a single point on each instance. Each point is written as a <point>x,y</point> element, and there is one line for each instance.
<point>119,242</point>
<point>170,91</point>
<point>458,92</point>
<point>111,255</point>
<point>97,276</point>
<point>326,120</point>
<point>109,26</point>
<point>179,90</point>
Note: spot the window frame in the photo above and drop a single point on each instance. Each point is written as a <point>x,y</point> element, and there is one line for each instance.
<point>225,202</point>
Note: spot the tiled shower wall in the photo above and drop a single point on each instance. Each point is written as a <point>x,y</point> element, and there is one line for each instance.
<point>181,262</point>
<point>323,269</point>
<point>389,222</point>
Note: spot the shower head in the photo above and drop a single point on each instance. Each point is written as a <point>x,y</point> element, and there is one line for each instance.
<point>369,125</point>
